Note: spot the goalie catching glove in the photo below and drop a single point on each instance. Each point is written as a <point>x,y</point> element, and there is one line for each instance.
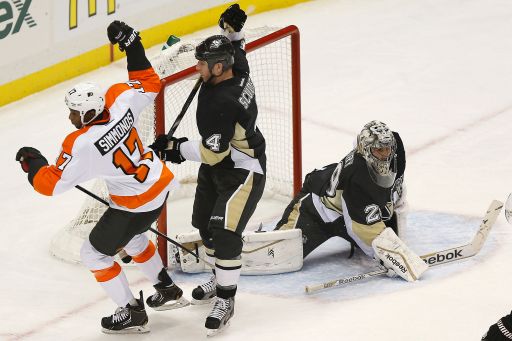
<point>120,33</point>
<point>396,256</point>
<point>168,150</point>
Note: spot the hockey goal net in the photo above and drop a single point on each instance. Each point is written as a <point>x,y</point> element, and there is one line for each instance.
<point>274,59</point>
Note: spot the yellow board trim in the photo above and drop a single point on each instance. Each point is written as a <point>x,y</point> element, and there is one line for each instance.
<point>100,56</point>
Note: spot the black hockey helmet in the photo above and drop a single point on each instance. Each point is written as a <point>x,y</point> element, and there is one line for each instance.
<point>216,49</point>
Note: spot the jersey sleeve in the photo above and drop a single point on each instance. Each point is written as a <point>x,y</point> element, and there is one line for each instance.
<point>136,94</point>
<point>71,168</point>
<point>241,65</point>
<point>216,131</point>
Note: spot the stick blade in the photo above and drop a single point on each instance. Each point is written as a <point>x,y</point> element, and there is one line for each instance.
<point>508,209</point>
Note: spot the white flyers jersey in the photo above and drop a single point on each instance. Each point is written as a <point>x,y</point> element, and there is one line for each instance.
<point>110,148</point>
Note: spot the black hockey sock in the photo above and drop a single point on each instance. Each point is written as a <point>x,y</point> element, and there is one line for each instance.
<point>226,292</point>
<point>164,278</point>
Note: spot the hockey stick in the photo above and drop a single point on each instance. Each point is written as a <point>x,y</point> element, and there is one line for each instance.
<point>180,116</point>
<point>432,259</point>
<point>89,193</point>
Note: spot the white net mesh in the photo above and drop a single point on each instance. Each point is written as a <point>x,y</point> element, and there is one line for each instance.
<point>271,73</point>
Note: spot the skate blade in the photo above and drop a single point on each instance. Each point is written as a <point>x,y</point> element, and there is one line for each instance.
<point>202,302</point>
<point>130,330</point>
<point>213,332</point>
<point>180,303</point>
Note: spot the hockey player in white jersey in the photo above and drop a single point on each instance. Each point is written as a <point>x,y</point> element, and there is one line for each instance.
<point>106,145</point>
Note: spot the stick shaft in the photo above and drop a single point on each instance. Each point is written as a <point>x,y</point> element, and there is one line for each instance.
<point>434,258</point>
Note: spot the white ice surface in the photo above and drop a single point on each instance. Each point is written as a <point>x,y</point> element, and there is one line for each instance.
<point>437,71</point>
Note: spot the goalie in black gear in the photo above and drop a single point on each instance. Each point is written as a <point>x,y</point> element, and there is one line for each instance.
<point>356,198</point>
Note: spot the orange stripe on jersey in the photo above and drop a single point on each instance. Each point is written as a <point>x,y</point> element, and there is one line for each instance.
<point>113,92</point>
<point>107,274</point>
<point>134,201</point>
<point>47,177</point>
<point>145,255</point>
<point>149,79</point>
<point>69,141</point>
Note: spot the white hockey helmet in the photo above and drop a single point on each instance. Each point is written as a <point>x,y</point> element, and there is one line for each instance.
<point>84,97</point>
<point>376,135</point>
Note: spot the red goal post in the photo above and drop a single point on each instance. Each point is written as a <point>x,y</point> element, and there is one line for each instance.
<point>289,32</point>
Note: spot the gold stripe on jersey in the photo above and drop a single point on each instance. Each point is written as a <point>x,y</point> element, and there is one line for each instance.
<point>211,158</point>
<point>333,203</point>
<point>239,141</point>
<point>367,233</point>
<point>236,204</point>
<point>293,217</point>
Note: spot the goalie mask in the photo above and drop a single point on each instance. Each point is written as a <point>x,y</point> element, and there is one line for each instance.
<point>84,97</point>
<point>216,49</point>
<point>377,144</point>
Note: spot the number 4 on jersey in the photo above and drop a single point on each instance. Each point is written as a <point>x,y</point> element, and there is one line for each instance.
<point>213,142</point>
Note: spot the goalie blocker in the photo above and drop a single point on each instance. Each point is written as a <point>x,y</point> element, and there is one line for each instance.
<point>396,256</point>
<point>263,253</point>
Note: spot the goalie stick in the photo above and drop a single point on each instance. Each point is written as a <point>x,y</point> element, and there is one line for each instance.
<point>432,259</point>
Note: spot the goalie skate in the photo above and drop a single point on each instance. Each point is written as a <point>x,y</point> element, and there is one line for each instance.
<point>167,298</point>
<point>220,316</point>
<point>127,320</point>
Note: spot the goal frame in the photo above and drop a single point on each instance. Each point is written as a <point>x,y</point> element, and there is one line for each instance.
<point>290,31</point>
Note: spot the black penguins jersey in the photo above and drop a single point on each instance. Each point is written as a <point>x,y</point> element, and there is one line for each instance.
<point>226,119</point>
<point>345,189</point>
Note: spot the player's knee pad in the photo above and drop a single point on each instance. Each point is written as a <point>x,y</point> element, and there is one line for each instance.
<point>94,259</point>
<point>227,244</point>
<point>137,245</point>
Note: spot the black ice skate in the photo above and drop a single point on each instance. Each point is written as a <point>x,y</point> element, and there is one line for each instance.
<point>205,293</point>
<point>219,318</point>
<point>127,320</point>
<point>167,297</point>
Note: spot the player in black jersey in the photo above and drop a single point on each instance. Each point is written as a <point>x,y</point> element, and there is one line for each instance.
<point>231,177</point>
<point>354,199</point>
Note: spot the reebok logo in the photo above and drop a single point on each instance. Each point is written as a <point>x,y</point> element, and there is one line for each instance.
<point>441,258</point>
<point>344,281</point>
<point>396,263</point>
<point>10,21</point>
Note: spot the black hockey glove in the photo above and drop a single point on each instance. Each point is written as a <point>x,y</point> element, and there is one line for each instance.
<point>160,145</point>
<point>31,160</point>
<point>168,150</point>
<point>120,33</point>
<point>173,153</point>
<point>234,17</point>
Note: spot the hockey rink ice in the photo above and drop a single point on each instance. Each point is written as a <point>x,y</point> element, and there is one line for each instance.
<point>439,72</point>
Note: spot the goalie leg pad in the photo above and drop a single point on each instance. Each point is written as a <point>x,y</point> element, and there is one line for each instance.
<point>397,256</point>
<point>270,252</point>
